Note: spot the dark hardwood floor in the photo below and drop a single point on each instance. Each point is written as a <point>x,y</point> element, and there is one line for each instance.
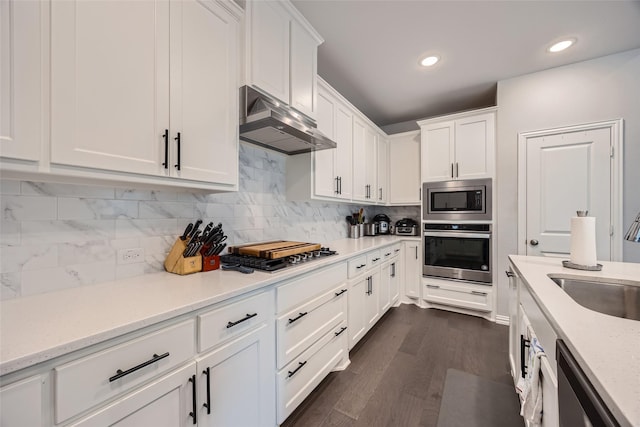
<point>397,372</point>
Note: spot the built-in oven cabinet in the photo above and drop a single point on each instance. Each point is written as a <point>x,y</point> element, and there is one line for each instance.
<point>412,260</point>
<point>458,146</point>
<point>471,296</point>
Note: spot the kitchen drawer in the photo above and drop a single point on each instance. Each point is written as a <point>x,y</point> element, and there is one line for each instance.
<point>357,266</point>
<point>298,379</point>
<point>374,258</point>
<point>231,320</point>
<point>474,297</point>
<point>86,382</point>
<point>309,286</point>
<point>303,326</point>
<point>390,252</point>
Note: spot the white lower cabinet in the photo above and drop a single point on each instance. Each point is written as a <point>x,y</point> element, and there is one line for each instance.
<point>235,382</point>
<point>357,324</point>
<point>389,285</point>
<point>412,268</point>
<point>458,294</point>
<point>14,399</point>
<point>372,299</point>
<point>166,402</point>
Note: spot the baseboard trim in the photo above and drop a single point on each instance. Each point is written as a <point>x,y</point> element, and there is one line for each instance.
<point>502,319</point>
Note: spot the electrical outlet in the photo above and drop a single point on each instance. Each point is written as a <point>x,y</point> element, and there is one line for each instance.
<point>130,256</point>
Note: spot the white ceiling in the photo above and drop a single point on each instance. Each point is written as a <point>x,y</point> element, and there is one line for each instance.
<point>372,48</point>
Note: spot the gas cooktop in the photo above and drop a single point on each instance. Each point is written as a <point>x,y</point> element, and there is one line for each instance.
<point>277,264</point>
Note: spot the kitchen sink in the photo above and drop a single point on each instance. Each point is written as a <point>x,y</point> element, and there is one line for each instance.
<point>616,298</point>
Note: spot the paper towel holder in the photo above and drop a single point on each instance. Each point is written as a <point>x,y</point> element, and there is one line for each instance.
<point>569,264</point>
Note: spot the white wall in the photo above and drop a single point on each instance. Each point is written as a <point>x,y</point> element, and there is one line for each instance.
<point>601,89</point>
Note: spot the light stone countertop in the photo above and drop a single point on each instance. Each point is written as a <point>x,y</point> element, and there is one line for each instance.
<point>606,347</point>
<point>41,327</point>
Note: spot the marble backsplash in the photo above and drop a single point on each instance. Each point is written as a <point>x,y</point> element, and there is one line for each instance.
<point>55,236</point>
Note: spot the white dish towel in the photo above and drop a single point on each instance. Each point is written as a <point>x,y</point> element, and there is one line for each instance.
<point>529,388</point>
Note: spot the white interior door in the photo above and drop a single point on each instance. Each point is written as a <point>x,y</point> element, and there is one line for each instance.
<point>567,172</point>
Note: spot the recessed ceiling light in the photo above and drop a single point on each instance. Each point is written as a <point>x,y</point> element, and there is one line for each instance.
<point>561,45</point>
<point>429,61</point>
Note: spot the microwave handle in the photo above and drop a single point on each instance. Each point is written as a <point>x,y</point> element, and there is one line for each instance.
<point>450,234</point>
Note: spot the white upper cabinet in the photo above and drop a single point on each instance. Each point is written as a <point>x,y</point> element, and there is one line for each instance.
<point>156,97</point>
<point>382,193</point>
<point>460,146</point>
<point>344,151</point>
<point>360,189</point>
<point>404,169</point>
<point>281,53</point>
<point>21,79</point>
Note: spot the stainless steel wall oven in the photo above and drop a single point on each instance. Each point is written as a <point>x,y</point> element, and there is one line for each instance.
<point>458,251</point>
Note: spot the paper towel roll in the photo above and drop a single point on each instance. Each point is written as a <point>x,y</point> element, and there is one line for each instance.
<point>583,240</point>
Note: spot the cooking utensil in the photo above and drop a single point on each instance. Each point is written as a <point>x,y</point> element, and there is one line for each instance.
<point>237,267</point>
<point>361,216</point>
<point>187,231</point>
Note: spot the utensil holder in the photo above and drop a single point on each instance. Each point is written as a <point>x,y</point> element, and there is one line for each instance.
<point>210,262</point>
<point>354,231</point>
<point>178,264</point>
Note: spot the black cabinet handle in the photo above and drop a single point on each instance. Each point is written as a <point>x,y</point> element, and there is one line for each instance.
<point>344,328</point>
<point>457,175</point>
<point>380,193</point>
<point>166,149</point>
<point>416,252</point>
<point>524,343</point>
<point>393,269</point>
<point>194,413</point>
<point>337,186</point>
<point>387,254</point>
<point>509,273</point>
<point>341,292</point>
<point>247,317</point>
<point>375,259</point>
<point>369,285</point>
<point>358,267</point>
<point>208,404</point>
<point>177,138</point>
<point>340,185</point>
<point>301,315</point>
<point>300,365</point>
<point>451,170</point>
<point>120,373</point>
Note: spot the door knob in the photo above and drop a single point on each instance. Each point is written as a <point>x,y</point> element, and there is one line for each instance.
<point>533,242</point>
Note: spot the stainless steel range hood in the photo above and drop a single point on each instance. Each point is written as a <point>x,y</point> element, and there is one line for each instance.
<point>269,123</point>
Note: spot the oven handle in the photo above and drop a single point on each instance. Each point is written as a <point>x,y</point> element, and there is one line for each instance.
<point>454,234</point>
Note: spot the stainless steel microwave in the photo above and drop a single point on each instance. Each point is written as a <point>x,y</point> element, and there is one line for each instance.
<point>461,200</point>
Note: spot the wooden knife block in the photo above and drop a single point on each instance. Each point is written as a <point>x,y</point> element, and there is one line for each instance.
<point>178,264</point>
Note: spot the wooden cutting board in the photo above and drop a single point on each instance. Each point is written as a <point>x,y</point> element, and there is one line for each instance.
<point>275,249</point>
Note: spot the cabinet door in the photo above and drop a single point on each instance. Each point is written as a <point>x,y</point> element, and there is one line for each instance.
<point>21,79</point>
<point>344,155</point>
<point>382,192</point>
<point>325,178</point>
<point>236,382</point>
<point>359,161</point>
<point>268,48</point>
<point>384,298</point>
<point>371,163</point>
<point>394,283</point>
<point>21,403</point>
<point>413,270</point>
<point>167,402</point>
<point>372,302</point>
<point>204,94</point>
<point>304,53</point>
<point>357,294</point>
<point>437,151</point>
<point>110,84</point>
<point>404,170</point>
<point>474,147</point>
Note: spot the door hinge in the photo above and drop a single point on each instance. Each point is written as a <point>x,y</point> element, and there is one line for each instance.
<point>611,152</point>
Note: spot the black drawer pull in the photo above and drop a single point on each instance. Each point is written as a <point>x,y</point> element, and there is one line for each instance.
<point>300,365</point>
<point>300,316</point>
<point>247,317</point>
<point>207,405</point>
<point>433,286</point>
<point>484,294</point>
<point>341,292</point>
<point>194,413</point>
<point>375,259</point>
<point>166,149</point>
<point>524,343</point>
<point>177,139</point>
<point>360,266</point>
<point>509,273</point>
<point>120,373</point>
<point>387,254</point>
<point>344,328</point>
